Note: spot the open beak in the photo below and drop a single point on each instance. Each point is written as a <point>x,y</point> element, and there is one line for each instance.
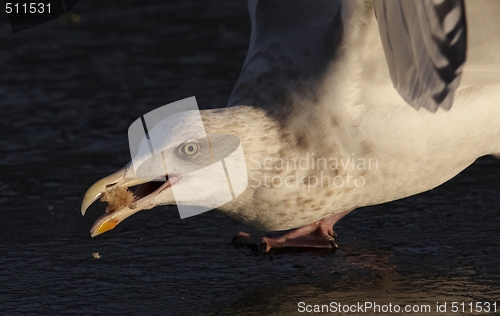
<point>148,189</point>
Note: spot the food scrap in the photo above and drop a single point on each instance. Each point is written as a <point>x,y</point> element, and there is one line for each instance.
<point>117,198</point>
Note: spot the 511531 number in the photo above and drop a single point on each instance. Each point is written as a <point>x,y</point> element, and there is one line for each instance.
<point>32,7</point>
<point>478,307</point>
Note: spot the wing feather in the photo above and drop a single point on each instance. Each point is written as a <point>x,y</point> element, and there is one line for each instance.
<point>425,47</point>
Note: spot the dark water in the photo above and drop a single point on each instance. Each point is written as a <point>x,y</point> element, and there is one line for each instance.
<point>69,90</point>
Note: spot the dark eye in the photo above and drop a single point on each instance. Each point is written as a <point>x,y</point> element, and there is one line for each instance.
<point>190,148</point>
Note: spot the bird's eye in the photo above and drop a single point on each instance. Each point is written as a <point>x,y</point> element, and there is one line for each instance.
<point>190,148</point>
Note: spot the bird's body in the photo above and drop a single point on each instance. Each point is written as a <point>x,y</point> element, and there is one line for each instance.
<point>338,113</point>
<point>356,117</point>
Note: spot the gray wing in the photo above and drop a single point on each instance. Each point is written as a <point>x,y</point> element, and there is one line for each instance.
<point>425,47</point>
<point>291,46</point>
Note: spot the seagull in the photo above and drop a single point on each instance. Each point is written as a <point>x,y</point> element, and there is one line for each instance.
<point>340,104</point>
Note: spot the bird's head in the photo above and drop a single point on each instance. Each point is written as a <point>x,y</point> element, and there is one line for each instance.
<point>193,159</point>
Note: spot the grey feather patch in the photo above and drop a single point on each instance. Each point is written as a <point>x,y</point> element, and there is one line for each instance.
<point>425,45</point>
<point>292,45</point>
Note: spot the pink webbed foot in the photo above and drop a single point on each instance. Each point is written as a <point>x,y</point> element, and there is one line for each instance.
<point>319,234</point>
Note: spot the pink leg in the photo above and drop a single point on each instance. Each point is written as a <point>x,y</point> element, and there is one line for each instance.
<point>319,234</point>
